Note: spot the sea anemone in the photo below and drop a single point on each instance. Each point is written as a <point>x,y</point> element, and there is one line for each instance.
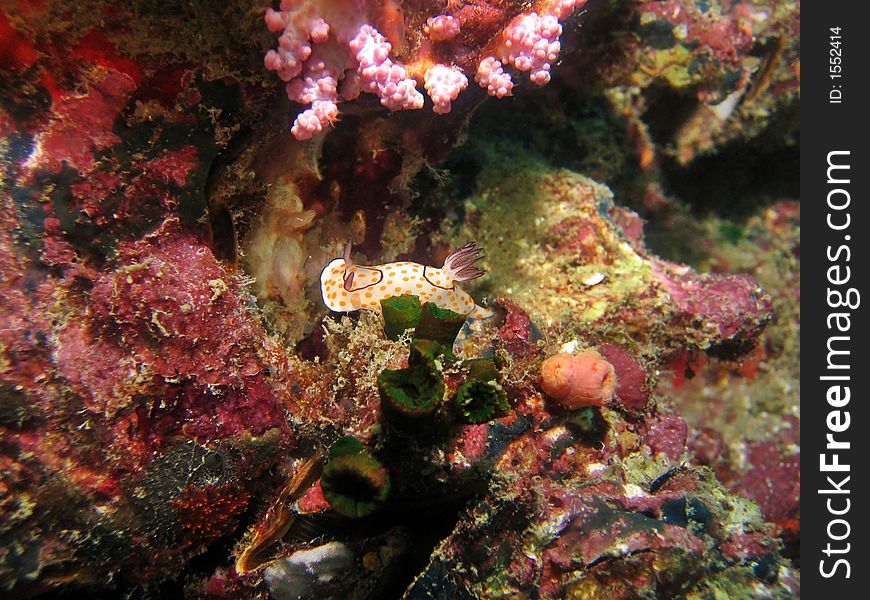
<point>576,380</point>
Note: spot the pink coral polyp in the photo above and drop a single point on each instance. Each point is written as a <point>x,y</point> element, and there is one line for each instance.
<point>324,44</point>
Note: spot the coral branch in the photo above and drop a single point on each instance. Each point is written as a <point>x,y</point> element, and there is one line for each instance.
<point>327,53</point>
<point>441,28</point>
<point>443,84</point>
<point>531,41</point>
<point>382,76</point>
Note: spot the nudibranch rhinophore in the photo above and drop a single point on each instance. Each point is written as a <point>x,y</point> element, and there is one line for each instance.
<point>346,287</point>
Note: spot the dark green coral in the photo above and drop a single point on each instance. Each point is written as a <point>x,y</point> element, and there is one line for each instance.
<point>439,325</point>
<point>411,395</point>
<point>400,314</point>
<point>484,369</point>
<point>345,445</point>
<point>480,401</point>
<point>354,482</point>
<point>429,322</point>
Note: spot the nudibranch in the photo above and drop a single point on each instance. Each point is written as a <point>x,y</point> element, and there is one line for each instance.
<point>346,286</point>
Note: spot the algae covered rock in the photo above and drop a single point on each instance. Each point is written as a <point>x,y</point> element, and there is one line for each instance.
<point>182,416</point>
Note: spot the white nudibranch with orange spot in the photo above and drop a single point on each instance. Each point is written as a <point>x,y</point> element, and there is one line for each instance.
<point>346,287</point>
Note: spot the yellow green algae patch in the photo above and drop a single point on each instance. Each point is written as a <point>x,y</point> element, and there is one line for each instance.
<point>554,248</point>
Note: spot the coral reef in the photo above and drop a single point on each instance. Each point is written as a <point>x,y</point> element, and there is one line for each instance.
<point>557,229</point>
<point>748,426</point>
<point>181,415</point>
<point>730,67</point>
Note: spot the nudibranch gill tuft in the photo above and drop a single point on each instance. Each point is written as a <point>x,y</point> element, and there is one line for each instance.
<point>346,286</point>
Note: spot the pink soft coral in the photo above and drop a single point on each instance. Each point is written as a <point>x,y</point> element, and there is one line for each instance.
<point>331,51</point>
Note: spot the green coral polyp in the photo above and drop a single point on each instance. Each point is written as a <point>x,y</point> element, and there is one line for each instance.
<point>480,401</point>
<point>412,394</point>
<point>400,314</point>
<point>439,325</point>
<point>355,484</point>
<point>345,445</point>
<point>483,369</point>
<point>426,349</point>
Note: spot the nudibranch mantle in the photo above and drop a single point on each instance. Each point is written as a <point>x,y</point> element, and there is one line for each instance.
<point>346,286</point>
